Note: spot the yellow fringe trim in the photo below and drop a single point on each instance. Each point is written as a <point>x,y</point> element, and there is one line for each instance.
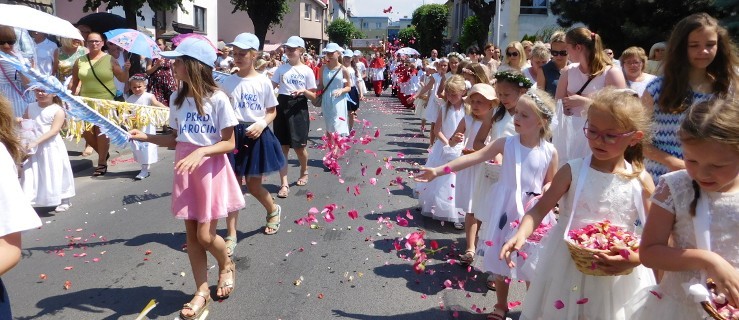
<point>128,115</point>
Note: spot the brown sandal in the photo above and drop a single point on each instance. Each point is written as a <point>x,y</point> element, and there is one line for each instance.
<point>196,309</point>
<point>498,313</point>
<point>284,191</point>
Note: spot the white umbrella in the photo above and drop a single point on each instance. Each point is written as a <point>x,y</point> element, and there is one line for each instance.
<point>28,18</point>
<point>407,51</point>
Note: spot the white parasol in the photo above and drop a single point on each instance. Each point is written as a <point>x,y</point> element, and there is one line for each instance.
<point>28,18</point>
<point>407,51</point>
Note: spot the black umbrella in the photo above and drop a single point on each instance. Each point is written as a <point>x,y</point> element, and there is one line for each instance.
<point>102,22</point>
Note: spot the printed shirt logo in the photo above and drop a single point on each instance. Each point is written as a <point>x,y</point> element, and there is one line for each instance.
<point>249,101</point>
<point>195,123</point>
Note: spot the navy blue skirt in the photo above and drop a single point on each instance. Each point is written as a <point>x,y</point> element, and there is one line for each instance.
<point>256,157</point>
<point>354,95</point>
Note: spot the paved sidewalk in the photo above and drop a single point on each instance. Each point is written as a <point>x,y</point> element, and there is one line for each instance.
<point>80,163</point>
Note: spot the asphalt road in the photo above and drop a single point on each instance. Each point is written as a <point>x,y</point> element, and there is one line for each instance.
<point>120,247</point>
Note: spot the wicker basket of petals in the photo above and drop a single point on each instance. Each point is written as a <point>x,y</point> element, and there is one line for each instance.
<point>598,237</point>
<point>719,308</point>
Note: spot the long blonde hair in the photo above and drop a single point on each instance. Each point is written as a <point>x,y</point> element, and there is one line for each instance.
<point>630,115</point>
<point>597,59</point>
<point>455,83</point>
<point>8,136</point>
<point>716,120</point>
<point>199,84</point>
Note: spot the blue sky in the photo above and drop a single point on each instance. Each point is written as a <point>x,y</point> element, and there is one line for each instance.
<point>374,7</point>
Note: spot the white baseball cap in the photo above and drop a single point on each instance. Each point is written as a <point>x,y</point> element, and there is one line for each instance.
<point>246,41</point>
<point>347,54</point>
<point>295,42</point>
<point>332,47</point>
<point>196,48</point>
<point>357,53</point>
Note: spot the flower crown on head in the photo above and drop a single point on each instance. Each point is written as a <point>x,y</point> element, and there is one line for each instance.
<point>516,78</point>
<point>457,55</point>
<point>540,106</point>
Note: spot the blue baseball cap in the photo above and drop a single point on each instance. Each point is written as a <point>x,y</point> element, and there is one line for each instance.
<point>295,42</point>
<point>196,48</point>
<point>246,41</point>
<point>332,47</point>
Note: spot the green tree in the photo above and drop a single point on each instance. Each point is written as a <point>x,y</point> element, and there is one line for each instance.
<point>473,33</point>
<point>342,32</point>
<point>132,8</point>
<point>264,14</point>
<point>431,22</point>
<point>731,22</point>
<point>628,23</point>
<point>408,36</point>
<point>484,11</point>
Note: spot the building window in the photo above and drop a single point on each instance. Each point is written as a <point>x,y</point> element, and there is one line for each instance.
<point>308,11</point>
<point>365,25</point>
<point>317,14</point>
<point>199,18</point>
<point>534,6</point>
<point>378,25</point>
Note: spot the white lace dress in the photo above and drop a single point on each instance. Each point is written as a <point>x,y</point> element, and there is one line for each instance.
<point>436,198</point>
<point>47,175</point>
<point>483,185</point>
<point>674,193</point>
<point>604,196</point>
<point>502,207</point>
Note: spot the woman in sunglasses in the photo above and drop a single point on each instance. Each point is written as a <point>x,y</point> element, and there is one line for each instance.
<point>12,83</point>
<point>552,70</point>
<point>515,58</point>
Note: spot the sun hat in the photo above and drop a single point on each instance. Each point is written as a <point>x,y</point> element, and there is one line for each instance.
<point>483,89</point>
<point>246,41</point>
<point>332,47</point>
<point>295,42</point>
<point>196,48</point>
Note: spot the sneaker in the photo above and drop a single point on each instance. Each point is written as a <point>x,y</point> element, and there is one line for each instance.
<point>63,207</point>
<point>459,226</point>
<point>142,176</point>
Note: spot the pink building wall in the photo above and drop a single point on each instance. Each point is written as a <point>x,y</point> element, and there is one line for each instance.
<point>294,23</point>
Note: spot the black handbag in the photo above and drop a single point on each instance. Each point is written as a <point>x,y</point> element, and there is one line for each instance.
<point>119,98</point>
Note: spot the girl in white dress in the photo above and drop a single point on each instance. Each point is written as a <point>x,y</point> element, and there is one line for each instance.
<point>47,175</point>
<point>697,208</point>
<point>335,85</point>
<point>437,198</point>
<point>147,154</point>
<point>529,162</point>
<point>481,99</point>
<point>509,87</point>
<point>611,184</point>
<point>590,72</point>
<point>432,107</point>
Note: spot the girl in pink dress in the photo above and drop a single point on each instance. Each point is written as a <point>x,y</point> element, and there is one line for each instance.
<point>205,188</point>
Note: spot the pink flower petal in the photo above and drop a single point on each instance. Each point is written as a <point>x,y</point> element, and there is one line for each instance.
<point>513,304</point>
<point>313,210</point>
<point>624,253</point>
<point>373,181</point>
<point>402,221</point>
<point>447,170</point>
<point>559,304</point>
<point>353,214</point>
<point>523,255</point>
<point>360,229</point>
<point>582,301</point>
<point>68,268</point>
<point>448,284</point>
<point>329,216</point>
<point>488,243</point>
<point>656,294</point>
<point>408,215</point>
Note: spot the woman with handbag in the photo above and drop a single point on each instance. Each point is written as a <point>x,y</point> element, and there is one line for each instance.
<point>93,74</point>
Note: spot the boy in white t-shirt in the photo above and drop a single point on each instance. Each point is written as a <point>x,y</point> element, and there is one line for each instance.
<point>258,152</point>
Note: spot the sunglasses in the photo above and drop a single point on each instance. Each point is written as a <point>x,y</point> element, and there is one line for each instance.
<point>511,54</point>
<point>10,42</point>
<point>558,53</point>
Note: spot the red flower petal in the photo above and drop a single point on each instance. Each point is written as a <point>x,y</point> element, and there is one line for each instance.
<point>582,301</point>
<point>559,304</point>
